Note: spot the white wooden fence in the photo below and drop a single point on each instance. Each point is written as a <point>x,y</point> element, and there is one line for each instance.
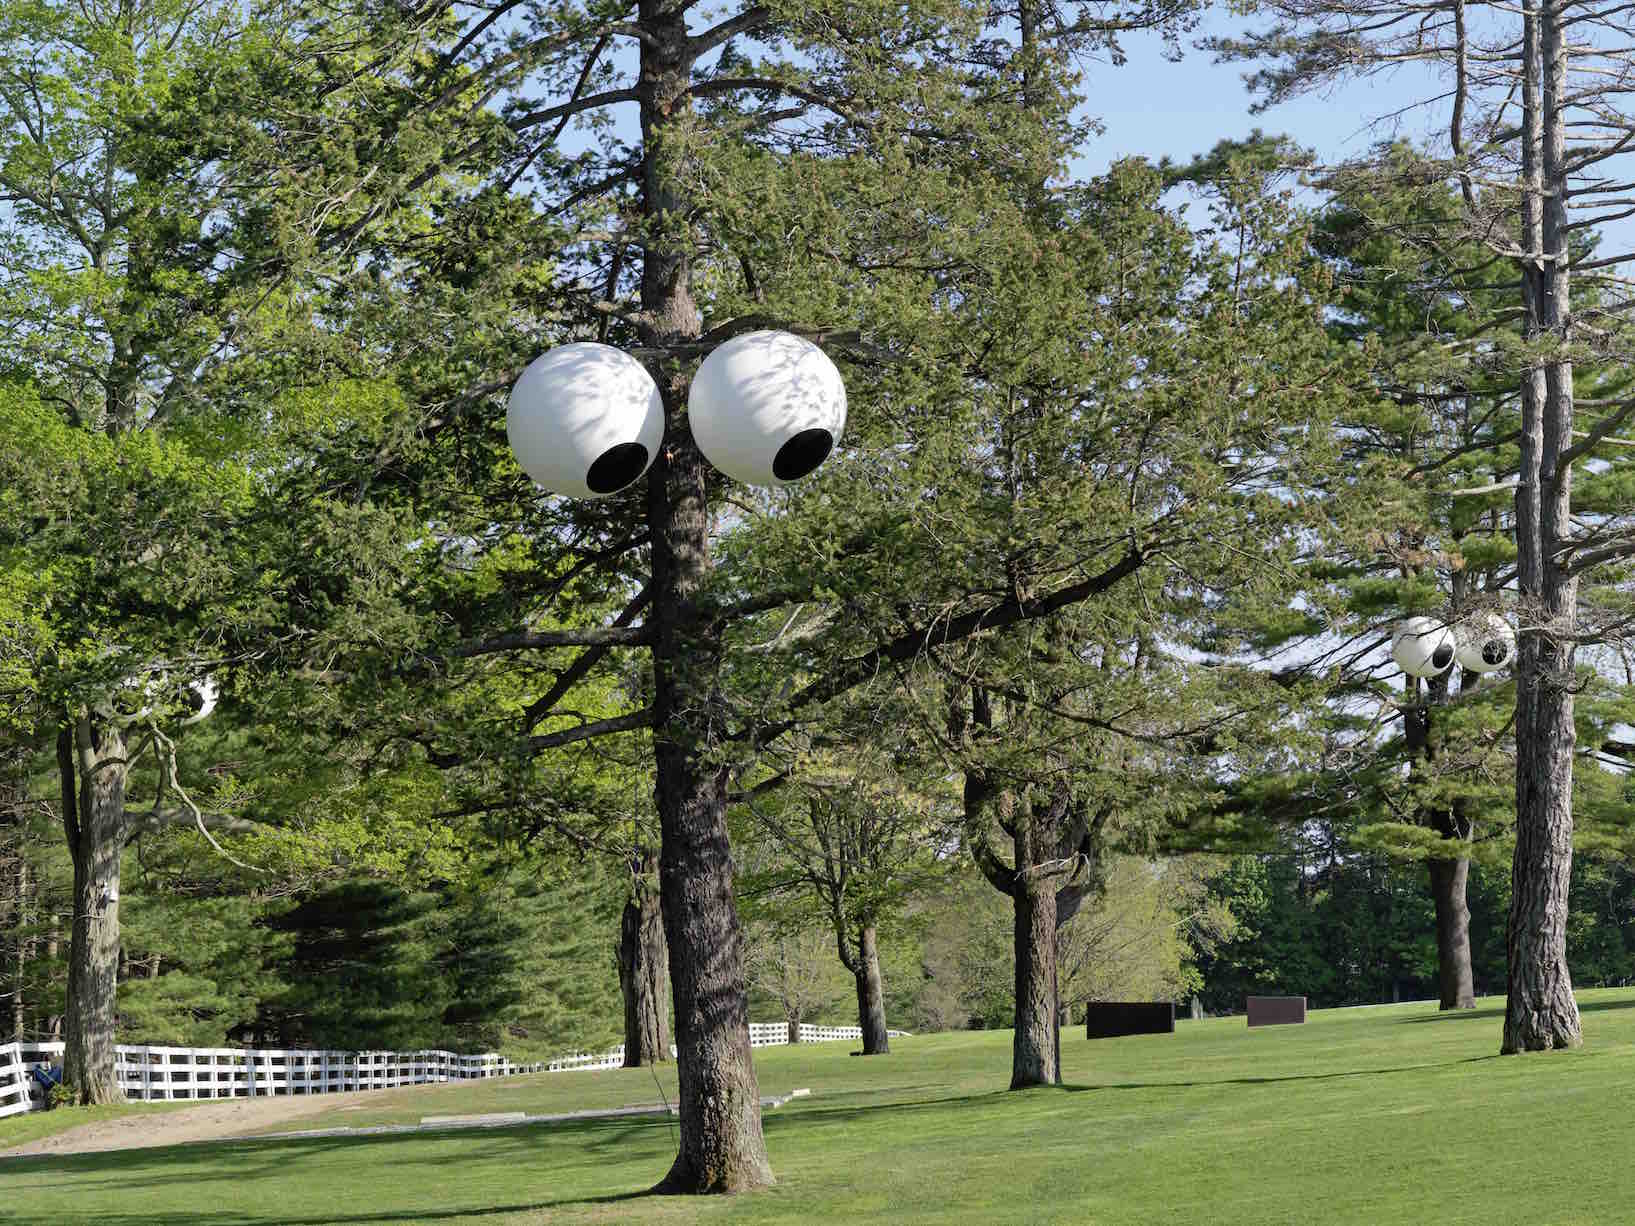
<point>761,1034</point>
<point>14,1082</point>
<point>171,1074</point>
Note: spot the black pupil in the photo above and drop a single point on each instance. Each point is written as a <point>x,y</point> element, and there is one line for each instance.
<point>616,468</point>
<point>1494,651</point>
<point>1442,656</point>
<point>801,454</point>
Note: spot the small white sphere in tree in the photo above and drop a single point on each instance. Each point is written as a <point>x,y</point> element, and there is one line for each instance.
<point>1486,644</point>
<point>200,697</point>
<point>1423,647</point>
<point>767,408</point>
<point>132,697</point>
<point>585,420</point>
<point>129,703</point>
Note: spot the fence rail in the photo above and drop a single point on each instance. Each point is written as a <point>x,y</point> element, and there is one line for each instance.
<point>172,1074</point>
<point>761,1034</point>
<point>14,1081</point>
<point>176,1074</point>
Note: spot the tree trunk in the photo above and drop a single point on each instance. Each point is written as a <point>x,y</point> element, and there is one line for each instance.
<point>19,1006</point>
<point>1540,1012</point>
<point>871,1002</point>
<point>1448,876</point>
<point>643,979</point>
<point>721,1147</point>
<point>51,1026</point>
<point>1034,1051</point>
<point>1458,985</point>
<point>92,766</point>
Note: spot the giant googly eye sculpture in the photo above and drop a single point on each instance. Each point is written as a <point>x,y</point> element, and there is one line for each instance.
<point>1486,644</point>
<point>129,702</point>
<point>200,698</point>
<point>1423,647</point>
<point>767,408</point>
<point>585,420</point>
<point>132,697</point>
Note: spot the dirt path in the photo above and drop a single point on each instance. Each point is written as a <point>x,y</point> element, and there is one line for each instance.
<point>209,1121</point>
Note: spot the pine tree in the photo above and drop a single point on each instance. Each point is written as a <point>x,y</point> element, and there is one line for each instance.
<point>165,199</point>
<point>1526,188</point>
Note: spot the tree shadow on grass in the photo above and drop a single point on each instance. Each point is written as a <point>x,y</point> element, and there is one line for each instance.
<point>1497,1011</point>
<point>776,1122</point>
<point>169,1217</point>
<point>196,1166</point>
<point>1261,1081</point>
<point>200,1164</point>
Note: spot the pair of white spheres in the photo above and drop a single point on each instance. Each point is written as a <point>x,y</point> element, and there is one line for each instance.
<point>135,699</point>
<point>1425,647</point>
<point>586,419</point>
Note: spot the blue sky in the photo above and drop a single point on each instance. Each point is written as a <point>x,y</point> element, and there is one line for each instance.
<point>1154,108</point>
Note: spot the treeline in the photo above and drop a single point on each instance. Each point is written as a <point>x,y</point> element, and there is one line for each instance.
<point>1345,928</point>
<point>501,961</point>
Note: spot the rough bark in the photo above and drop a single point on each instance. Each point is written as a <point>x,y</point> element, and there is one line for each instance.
<point>1055,855</point>
<point>1035,1048</point>
<point>721,1147</point>
<point>1540,1012</point>
<point>92,766</point>
<point>871,1003</point>
<point>52,1027</point>
<point>1449,877</point>
<point>19,1007</point>
<point>1458,985</point>
<point>643,979</point>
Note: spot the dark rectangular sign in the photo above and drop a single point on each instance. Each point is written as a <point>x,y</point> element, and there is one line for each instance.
<point>1276,1010</point>
<point>1109,1019</point>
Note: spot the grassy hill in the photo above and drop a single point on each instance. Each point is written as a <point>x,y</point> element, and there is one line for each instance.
<point>1392,1114</point>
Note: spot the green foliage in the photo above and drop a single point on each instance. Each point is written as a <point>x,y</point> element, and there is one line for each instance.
<point>516,966</point>
<point>1418,769</point>
<point>1344,927</point>
<point>1353,931</point>
<point>1144,936</point>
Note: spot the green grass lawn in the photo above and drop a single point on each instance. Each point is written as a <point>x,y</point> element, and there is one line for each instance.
<point>1387,1115</point>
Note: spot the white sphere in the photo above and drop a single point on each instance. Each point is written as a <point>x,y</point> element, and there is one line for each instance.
<point>1486,644</point>
<point>585,420</point>
<point>129,703</point>
<point>202,695</point>
<point>130,699</point>
<point>767,408</point>
<point>1423,647</point>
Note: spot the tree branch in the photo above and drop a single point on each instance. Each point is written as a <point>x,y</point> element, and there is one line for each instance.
<point>578,106</point>
<point>999,874</point>
<point>906,646</point>
<point>1604,427</point>
<point>749,20</point>
<point>575,672</point>
<point>586,732</point>
<point>70,800</point>
<point>538,640</point>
